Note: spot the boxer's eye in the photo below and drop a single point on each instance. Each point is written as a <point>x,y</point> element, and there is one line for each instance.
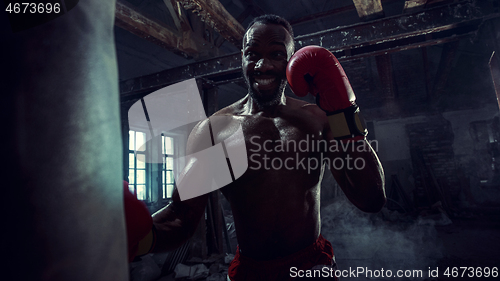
<point>250,55</point>
<point>279,55</point>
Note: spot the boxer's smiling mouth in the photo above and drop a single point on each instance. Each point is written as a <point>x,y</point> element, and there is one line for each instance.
<point>264,82</point>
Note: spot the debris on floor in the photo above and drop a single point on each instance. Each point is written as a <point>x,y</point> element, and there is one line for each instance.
<point>144,269</point>
<point>193,272</point>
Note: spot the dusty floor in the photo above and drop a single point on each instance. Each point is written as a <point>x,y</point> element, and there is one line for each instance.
<point>473,243</point>
<point>371,243</point>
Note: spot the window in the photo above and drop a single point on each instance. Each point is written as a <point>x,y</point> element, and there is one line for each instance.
<point>167,144</point>
<point>137,168</point>
<point>150,181</point>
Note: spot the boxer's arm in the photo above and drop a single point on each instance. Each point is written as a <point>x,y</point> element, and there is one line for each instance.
<point>177,222</point>
<point>364,187</point>
<point>316,70</point>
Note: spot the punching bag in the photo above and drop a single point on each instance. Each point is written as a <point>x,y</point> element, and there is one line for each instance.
<point>61,176</point>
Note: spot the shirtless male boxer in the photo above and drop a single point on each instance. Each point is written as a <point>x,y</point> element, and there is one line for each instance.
<point>276,211</point>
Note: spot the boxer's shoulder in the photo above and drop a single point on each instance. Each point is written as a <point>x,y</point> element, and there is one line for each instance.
<point>306,110</point>
<point>235,109</point>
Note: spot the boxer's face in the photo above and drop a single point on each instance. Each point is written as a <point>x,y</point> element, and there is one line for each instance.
<point>266,51</point>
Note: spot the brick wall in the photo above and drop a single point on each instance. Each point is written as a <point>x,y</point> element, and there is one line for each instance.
<point>434,140</point>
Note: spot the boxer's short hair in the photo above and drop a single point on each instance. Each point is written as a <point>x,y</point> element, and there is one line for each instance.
<point>271,19</point>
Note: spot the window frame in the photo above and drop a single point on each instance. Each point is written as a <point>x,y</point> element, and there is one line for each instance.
<point>164,169</point>
<point>135,167</point>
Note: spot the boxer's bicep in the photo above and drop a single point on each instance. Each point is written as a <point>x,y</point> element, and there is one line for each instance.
<point>178,221</point>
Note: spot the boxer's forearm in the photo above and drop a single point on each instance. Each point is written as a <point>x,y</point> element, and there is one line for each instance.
<point>363,182</point>
<point>171,232</point>
<point>177,222</point>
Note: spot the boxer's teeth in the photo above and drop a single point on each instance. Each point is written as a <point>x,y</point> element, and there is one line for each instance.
<point>264,82</point>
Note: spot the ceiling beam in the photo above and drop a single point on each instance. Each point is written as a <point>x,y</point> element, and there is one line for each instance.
<point>242,17</point>
<point>328,13</point>
<point>178,15</point>
<point>434,26</point>
<point>369,9</point>
<point>387,31</point>
<point>414,5</point>
<point>136,23</point>
<point>213,13</point>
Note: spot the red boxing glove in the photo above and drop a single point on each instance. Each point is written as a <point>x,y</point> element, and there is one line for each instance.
<point>139,223</point>
<point>316,70</point>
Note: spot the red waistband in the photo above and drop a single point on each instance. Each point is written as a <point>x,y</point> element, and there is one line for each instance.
<point>246,268</point>
<point>320,245</point>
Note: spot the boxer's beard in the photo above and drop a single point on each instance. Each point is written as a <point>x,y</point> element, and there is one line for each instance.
<point>266,100</point>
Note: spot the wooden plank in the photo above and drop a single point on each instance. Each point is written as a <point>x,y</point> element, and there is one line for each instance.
<point>414,5</point>
<point>136,23</point>
<point>495,74</point>
<point>178,15</point>
<point>444,69</point>
<point>248,11</point>
<point>369,9</point>
<point>402,193</point>
<point>213,13</point>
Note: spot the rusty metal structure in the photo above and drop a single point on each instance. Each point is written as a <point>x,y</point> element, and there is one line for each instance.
<point>438,25</point>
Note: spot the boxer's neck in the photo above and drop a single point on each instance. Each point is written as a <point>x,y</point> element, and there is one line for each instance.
<point>252,107</point>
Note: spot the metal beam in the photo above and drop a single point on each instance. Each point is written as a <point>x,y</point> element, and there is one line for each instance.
<point>224,68</point>
<point>400,27</point>
<point>213,13</point>
<point>435,26</point>
<point>134,22</point>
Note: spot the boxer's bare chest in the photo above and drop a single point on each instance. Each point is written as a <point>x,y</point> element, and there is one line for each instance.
<point>281,185</point>
<point>280,136</point>
<point>281,148</point>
